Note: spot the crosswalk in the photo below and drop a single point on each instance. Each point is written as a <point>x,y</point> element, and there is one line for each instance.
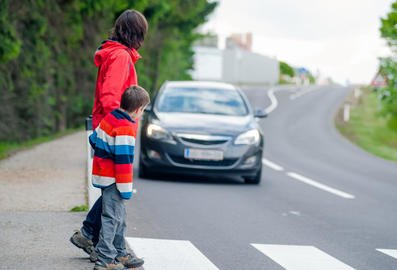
<point>390,252</point>
<point>301,257</point>
<point>168,254</point>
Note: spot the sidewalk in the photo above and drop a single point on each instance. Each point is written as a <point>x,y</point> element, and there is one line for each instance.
<point>38,188</point>
<point>40,240</point>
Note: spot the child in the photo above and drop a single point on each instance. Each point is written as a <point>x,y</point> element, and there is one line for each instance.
<point>113,142</point>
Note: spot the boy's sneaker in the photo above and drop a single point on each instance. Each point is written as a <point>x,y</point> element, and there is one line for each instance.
<point>82,242</point>
<point>93,256</point>
<point>130,261</point>
<point>99,265</point>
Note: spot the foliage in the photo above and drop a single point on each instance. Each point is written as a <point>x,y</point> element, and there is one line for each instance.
<point>388,67</point>
<point>80,208</point>
<point>368,128</point>
<point>388,27</point>
<point>286,69</point>
<point>167,53</point>
<point>388,94</point>
<point>47,77</point>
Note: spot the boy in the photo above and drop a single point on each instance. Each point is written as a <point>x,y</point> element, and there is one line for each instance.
<point>113,142</point>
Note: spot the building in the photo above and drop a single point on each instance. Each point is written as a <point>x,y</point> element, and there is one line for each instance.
<point>236,64</point>
<point>239,41</point>
<point>379,81</point>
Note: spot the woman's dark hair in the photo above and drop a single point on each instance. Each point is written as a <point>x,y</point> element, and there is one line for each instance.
<point>130,29</point>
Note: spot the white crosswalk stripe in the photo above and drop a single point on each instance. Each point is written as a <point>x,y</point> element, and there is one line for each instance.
<point>390,252</point>
<point>169,254</point>
<point>301,257</point>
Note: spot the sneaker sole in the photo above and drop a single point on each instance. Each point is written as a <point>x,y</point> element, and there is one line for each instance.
<point>86,249</point>
<point>134,265</point>
<point>93,258</point>
<point>103,268</point>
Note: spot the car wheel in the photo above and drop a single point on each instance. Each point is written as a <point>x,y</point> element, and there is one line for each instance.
<point>143,170</point>
<point>256,179</point>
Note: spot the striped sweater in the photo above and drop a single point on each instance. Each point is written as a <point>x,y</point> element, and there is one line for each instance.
<point>113,142</point>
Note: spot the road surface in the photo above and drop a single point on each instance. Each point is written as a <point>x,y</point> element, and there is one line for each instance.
<point>323,203</point>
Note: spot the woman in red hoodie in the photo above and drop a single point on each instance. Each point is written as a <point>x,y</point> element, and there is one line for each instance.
<point>115,59</point>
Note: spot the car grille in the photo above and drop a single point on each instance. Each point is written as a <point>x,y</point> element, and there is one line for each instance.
<point>214,163</point>
<point>203,142</point>
<point>203,139</point>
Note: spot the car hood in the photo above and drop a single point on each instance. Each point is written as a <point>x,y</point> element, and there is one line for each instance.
<point>205,123</point>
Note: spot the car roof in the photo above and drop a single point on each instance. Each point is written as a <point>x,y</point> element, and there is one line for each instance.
<point>203,84</point>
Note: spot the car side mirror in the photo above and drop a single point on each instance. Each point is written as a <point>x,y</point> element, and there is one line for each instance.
<point>148,108</point>
<point>260,113</point>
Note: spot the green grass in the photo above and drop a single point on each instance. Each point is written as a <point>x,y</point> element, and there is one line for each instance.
<point>80,208</point>
<point>368,129</point>
<point>9,148</point>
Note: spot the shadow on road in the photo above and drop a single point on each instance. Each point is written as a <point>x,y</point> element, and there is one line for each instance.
<point>196,179</point>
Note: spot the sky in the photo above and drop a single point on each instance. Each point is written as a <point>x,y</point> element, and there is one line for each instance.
<point>337,38</point>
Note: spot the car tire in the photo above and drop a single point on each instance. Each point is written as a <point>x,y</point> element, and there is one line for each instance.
<point>254,180</point>
<point>143,170</point>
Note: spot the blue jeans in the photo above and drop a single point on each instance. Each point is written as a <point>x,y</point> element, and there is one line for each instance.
<point>92,223</point>
<point>111,242</point>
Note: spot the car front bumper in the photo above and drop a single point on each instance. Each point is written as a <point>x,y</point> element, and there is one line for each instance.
<point>241,160</point>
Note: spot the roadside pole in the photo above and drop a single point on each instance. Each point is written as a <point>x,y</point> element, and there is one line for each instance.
<point>93,192</point>
<point>346,112</point>
<point>357,93</point>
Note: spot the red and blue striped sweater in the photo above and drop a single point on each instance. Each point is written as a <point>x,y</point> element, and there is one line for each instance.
<point>113,142</point>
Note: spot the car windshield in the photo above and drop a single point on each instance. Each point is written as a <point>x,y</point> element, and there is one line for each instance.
<point>202,100</point>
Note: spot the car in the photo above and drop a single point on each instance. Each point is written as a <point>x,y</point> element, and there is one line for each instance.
<point>201,128</point>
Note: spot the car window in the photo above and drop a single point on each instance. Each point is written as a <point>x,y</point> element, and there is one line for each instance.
<point>202,100</point>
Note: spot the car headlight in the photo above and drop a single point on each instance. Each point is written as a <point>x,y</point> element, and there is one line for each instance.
<point>156,132</point>
<point>250,137</point>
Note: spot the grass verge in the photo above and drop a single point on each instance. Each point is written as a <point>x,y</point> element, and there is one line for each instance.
<point>368,129</point>
<point>9,148</point>
<point>80,208</point>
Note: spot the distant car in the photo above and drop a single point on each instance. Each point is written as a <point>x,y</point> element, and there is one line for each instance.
<point>194,127</point>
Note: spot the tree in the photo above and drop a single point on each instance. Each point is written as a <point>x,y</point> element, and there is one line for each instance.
<point>286,69</point>
<point>47,75</point>
<point>286,73</point>
<point>167,52</point>
<point>388,27</point>
<point>388,66</point>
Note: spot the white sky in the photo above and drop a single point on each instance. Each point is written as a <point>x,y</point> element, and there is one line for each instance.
<point>338,38</point>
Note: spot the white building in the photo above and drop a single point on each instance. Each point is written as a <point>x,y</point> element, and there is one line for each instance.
<point>208,64</point>
<point>236,66</point>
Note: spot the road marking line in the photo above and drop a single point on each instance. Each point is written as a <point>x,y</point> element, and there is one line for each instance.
<point>301,257</point>
<point>169,254</point>
<point>320,186</point>
<point>302,92</point>
<point>272,165</point>
<point>274,101</point>
<point>390,252</point>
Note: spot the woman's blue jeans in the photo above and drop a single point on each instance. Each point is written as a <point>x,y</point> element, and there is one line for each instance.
<point>92,223</point>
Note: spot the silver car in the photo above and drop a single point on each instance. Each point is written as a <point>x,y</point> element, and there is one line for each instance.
<point>195,127</point>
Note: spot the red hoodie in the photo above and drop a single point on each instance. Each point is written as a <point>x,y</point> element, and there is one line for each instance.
<point>116,72</point>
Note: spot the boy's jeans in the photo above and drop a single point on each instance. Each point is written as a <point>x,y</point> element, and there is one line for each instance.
<point>92,223</point>
<point>111,242</point>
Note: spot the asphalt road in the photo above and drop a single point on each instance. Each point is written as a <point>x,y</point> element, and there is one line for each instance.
<point>323,203</point>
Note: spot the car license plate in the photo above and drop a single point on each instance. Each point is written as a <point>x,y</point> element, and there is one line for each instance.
<point>203,154</point>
